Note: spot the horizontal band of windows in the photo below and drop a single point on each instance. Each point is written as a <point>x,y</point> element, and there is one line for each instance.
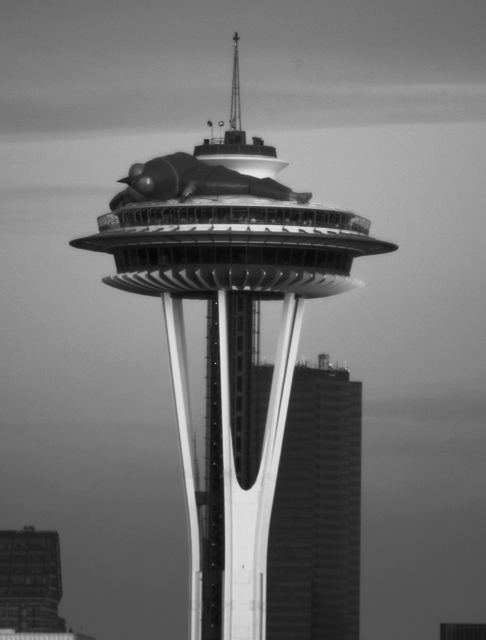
<point>239,149</point>
<point>129,259</point>
<point>243,215</point>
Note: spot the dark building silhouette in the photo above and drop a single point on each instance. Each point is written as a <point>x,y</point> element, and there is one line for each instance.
<point>466,631</point>
<point>30,581</point>
<point>313,571</point>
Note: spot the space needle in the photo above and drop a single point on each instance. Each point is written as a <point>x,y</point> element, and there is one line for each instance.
<point>216,225</point>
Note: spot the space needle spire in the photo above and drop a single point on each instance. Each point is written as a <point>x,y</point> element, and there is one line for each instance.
<point>235,114</point>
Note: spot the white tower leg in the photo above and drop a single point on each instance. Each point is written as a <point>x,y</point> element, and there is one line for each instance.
<point>247,512</point>
<point>176,339</point>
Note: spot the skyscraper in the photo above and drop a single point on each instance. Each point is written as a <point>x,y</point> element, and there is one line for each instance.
<point>218,226</point>
<point>313,572</point>
<point>462,631</point>
<point>30,581</point>
<point>31,587</point>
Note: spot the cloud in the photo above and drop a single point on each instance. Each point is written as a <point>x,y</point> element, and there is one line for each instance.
<point>39,192</point>
<point>437,421</point>
<point>49,208</point>
<point>443,403</point>
<point>424,446</point>
<point>179,107</point>
<point>355,104</point>
<point>92,68</point>
<point>423,518</point>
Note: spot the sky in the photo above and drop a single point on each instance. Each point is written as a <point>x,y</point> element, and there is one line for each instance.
<point>379,107</point>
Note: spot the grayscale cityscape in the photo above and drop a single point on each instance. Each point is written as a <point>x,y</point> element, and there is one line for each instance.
<point>237,450</point>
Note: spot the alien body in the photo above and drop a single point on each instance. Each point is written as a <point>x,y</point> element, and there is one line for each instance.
<point>181,175</point>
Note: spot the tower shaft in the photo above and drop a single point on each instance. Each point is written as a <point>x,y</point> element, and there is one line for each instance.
<point>246,432</point>
<point>211,509</point>
<point>234,585</point>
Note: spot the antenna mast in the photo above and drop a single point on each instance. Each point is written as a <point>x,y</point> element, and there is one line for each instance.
<point>235,115</point>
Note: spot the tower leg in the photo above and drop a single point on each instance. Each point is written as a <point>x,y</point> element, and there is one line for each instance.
<point>247,512</point>
<point>176,339</point>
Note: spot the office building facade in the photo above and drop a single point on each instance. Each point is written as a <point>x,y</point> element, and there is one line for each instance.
<point>464,631</point>
<point>30,581</point>
<point>313,570</point>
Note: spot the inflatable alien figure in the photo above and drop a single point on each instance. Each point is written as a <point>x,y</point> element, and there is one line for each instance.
<point>181,175</point>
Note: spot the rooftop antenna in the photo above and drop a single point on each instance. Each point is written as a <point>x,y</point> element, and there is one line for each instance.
<point>235,115</point>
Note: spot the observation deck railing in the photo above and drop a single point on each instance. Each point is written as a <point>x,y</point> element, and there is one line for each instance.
<point>218,147</point>
<point>170,214</point>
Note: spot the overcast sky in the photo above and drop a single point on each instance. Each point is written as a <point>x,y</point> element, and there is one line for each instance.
<point>379,107</point>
